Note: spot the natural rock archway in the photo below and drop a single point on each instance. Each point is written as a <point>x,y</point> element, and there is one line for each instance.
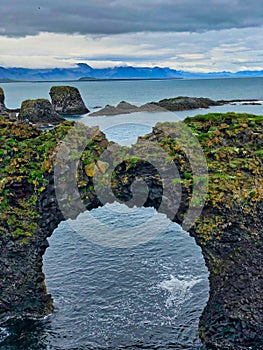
<point>47,177</point>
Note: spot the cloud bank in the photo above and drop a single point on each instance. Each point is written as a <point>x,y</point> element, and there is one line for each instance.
<point>194,35</point>
<point>21,18</point>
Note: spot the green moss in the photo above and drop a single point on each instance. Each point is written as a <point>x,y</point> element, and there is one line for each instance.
<point>230,142</point>
<point>24,151</point>
<point>62,90</point>
<point>27,103</point>
<point>26,160</point>
<point>231,145</point>
<point>259,153</point>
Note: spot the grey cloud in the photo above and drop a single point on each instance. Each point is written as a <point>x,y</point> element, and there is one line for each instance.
<point>21,18</point>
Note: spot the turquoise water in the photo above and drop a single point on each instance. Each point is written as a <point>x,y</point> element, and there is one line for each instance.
<point>148,295</point>
<point>139,92</point>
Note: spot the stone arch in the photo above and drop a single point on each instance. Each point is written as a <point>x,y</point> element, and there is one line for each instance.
<point>228,229</point>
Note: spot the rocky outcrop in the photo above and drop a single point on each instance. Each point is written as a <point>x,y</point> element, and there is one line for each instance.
<point>126,108</point>
<point>175,104</point>
<point>39,112</point>
<point>46,180</point>
<point>67,100</point>
<point>2,98</point>
<point>182,103</point>
<point>229,230</point>
<point>3,109</point>
<point>9,114</point>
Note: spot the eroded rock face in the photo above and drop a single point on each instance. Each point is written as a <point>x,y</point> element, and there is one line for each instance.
<point>34,200</point>
<point>2,96</point>
<point>229,230</point>
<point>2,101</point>
<point>40,112</point>
<point>67,100</point>
<point>8,114</point>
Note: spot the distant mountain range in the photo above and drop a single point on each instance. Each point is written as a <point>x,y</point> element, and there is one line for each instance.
<point>83,71</point>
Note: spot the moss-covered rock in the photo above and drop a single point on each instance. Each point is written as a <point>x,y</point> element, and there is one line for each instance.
<point>40,112</point>
<point>67,100</point>
<point>228,229</point>
<point>29,212</point>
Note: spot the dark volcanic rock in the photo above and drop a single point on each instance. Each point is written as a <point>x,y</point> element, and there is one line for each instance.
<point>122,108</point>
<point>126,108</point>
<point>8,114</point>
<point>2,101</point>
<point>67,100</point>
<point>182,103</point>
<point>170,104</point>
<point>221,196</point>
<point>39,111</point>
<point>2,96</point>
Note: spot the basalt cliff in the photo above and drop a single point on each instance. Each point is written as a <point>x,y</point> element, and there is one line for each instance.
<point>204,173</point>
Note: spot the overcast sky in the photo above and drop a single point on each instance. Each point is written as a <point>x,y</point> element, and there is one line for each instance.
<point>194,35</point>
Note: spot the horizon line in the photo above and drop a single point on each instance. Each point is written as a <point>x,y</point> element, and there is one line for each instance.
<point>131,66</point>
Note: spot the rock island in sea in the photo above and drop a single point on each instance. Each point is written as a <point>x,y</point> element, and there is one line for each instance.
<point>228,228</point>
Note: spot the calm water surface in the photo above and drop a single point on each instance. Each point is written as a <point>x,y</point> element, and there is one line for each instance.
<point>139,92</point>
<point>149,296</point>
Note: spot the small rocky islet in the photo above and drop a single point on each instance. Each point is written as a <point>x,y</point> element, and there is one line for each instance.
<point>221,187</point>
<point>65,100</point>
<point>39,111</point>
<point>174,104</point>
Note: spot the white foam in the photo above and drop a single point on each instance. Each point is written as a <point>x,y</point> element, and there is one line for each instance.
<point>179,291</point>
<point>3,333</point>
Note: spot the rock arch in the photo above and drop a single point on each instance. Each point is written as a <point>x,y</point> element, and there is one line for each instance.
<point>43,181</point>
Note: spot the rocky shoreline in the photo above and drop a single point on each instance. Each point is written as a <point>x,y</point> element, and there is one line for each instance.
<point>43,182</point>
<point>65,100</point>
<point>175,104</point>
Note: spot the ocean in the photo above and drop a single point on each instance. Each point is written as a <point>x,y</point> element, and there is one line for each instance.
<point>117,293</point>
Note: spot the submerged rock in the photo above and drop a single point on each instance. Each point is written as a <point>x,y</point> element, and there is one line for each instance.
<point>39,111</point>
<point>67,100</point>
